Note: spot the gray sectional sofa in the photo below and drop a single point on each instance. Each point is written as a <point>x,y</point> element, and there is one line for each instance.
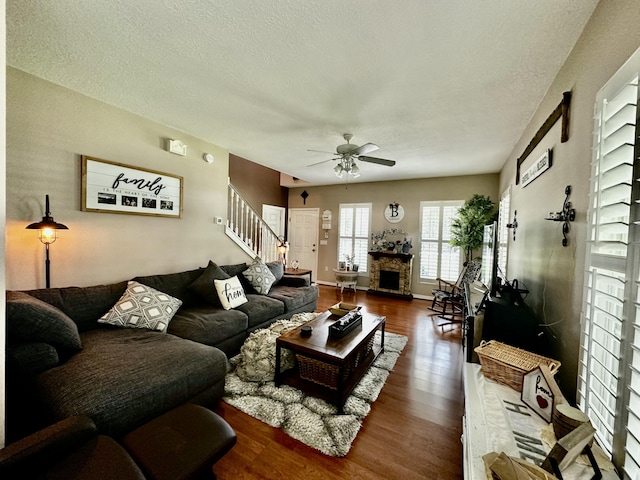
<point>61,361</point>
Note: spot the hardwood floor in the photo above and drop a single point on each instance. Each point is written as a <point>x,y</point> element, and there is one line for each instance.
<point>412,432</point>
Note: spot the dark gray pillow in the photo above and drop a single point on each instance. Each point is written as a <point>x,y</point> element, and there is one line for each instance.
<point>277,268</point>
<point>204,285</point>
<point>33,320</point>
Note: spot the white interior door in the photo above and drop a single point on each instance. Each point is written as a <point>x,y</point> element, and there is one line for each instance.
<point>274,217</point>
<point>303,237</point>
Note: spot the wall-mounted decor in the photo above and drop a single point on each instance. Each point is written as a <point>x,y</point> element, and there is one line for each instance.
<point>514,224</point>
<point>394,213</point>
<point>110,187</point>
<point>177,147</point>
<point>561,111</point>
<point>568,214</point>
<point>538,168</point>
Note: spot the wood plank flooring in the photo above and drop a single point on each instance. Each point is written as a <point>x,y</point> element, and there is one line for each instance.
<point>412,432</point>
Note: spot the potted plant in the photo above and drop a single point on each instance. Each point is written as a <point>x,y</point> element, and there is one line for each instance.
<point>467,226</point>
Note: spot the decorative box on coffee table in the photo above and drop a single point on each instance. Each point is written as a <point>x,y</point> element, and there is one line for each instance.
<point>328,367</point>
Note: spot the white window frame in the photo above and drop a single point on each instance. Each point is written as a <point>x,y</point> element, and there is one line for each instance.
<point>609,361</point>
<point>441,241</point>
<point>359,240</point>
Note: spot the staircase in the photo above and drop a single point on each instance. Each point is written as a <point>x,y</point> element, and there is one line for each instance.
<point>248,230</point>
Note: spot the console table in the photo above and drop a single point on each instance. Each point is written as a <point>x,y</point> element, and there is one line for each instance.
<point>495,419</point>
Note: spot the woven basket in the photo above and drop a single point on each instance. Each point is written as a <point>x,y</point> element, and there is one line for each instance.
<point>508,365</point>
<point>328,375</point>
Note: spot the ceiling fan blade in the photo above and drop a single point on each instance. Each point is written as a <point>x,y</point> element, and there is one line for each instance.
<point>323,161</point>
<point>379,161</point>
<point>322,151</point>
<point>366,148</point>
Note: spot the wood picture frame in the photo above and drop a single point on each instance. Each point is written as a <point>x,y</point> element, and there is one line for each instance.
<point>112,187</point>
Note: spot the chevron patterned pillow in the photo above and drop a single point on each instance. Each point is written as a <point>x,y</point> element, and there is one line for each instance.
<point>259,276</point>
<point>142,307</point>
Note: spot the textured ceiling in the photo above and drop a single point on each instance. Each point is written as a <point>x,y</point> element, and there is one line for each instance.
<point>444,87</point>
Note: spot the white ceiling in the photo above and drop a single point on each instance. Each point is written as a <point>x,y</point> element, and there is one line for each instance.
<point>443,87</point>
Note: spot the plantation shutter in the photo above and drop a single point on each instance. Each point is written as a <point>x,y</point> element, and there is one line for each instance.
<point>438,258</point>
<point>354,232</point>
<point>503,231</point>
<point>609,369</point>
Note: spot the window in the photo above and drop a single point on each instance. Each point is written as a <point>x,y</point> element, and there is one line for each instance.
<point>354,232</point>
<point>609,368</point>
<point>503,232</point>
<point>438,258</point>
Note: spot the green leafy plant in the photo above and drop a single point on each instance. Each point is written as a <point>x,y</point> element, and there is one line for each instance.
<point>467,227</point>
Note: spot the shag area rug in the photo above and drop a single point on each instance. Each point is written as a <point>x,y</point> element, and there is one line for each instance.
<point>310,420</point>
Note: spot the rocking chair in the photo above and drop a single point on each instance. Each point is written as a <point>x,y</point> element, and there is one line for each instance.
<point>448,298</point>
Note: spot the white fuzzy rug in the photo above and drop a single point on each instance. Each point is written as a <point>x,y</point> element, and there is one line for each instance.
<point>311,420</point>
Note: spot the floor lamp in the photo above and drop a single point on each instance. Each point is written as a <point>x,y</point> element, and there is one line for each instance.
<point>48,233</point>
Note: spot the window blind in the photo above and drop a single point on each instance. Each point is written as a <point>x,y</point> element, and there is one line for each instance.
<point>609,363</point>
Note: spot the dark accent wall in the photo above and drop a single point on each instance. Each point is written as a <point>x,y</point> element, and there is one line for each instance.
<point>258,185</point>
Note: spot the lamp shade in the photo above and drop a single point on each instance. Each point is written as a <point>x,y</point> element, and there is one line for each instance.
<point>47,225</point>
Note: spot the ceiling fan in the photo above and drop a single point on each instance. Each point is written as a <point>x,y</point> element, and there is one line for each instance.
<point>348,153</point>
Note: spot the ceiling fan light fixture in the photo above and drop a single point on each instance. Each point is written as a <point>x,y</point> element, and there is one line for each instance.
<point>339,171</point>
<point>355,171</point>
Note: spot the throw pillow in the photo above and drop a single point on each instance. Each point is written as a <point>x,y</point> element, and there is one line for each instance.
<point>277,268</point>
<point>230,292</point>
<point>204,286</point>
<point>142,307</point>
<point>30,319</point>
<point>259,276</point>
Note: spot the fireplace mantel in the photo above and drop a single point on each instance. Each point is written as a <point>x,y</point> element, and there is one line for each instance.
<point>405,257</point>
<point>390,274</point>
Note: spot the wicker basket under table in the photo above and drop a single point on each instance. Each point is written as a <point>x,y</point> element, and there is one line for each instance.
<point>327,374</point>
<point>508,365</point>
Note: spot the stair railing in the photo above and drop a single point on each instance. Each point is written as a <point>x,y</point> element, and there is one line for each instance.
<point>248,230</point>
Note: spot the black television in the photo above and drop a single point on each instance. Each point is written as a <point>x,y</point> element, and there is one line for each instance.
<point>489,269</point>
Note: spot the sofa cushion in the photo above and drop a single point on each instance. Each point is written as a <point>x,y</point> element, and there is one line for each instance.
<point>261,308</point>
<point>294,297</point>
<point>207,325</point>
<point>125,377</point>
<point>32,320</point>
<point>230,292</point>
<point>259,276</point>
<point>83,304</point>
<point>175,284</point>
<point>142,307</point>
<point>204,286</point>
<point>25,359</point>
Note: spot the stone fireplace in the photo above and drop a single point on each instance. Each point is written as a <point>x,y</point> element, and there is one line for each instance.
<point>390,274</point>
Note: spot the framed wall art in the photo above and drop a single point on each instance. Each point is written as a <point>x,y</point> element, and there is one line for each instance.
<point>110,187</point>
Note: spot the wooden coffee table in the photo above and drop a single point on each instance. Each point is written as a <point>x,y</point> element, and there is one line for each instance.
<point>327,367</point>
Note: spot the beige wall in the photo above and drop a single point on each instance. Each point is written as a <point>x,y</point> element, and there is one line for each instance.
<point>552,273</point>
<point>49,127</point>
<point>408,193</point>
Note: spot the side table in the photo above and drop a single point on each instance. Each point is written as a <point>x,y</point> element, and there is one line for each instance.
<point>299,271</point>
<point>346,278</point>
